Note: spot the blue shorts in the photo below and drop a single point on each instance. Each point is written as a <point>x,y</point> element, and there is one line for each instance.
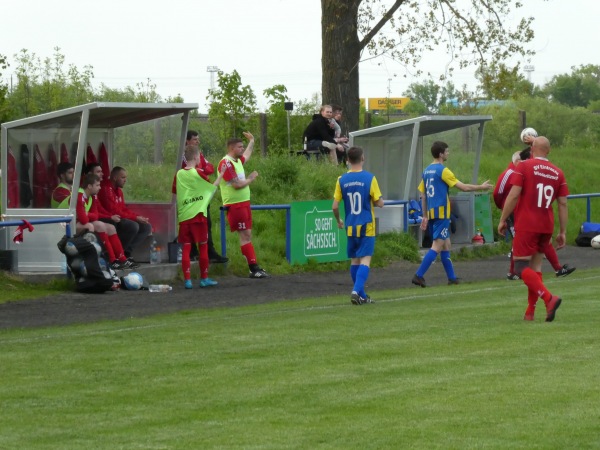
<point>439,229</point>
<point>361,246</point>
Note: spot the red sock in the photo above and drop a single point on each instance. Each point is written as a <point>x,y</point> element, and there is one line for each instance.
<point>203,260</point>
<point>185,261</point>
<point>552,257</point>
<point>248,252</point>
<point>533,282</point>
<point>106,241</point>
<point>117,247</point>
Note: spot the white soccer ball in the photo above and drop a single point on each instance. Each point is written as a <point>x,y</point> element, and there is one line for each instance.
<point>98,248</point>
<point>78,266</point>
<point>133,281</point>
<point>596,242</point>
<point>71,249</point>
<point>528,132</point>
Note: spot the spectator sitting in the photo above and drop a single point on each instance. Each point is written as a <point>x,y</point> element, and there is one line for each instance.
<point>336,121</point>
<point>320,134</point>
<point>131,228</point>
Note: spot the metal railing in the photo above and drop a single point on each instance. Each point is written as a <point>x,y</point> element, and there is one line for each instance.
<point>18,223</point>
<point>588,198</point>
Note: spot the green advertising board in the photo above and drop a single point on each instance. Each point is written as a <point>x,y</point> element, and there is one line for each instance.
<point>315,234</point>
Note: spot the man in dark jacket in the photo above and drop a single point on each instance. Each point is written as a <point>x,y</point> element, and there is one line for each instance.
<point>320,134</point>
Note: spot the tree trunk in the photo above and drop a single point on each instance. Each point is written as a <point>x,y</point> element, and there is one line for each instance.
<point>340,57</point>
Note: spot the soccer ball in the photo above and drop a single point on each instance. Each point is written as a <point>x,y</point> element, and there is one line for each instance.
<point>528,132</point>
<point>596,242</point>
<point>98,248</point>
<point>71,249</point>
<point>133,281</point>
<point>78,266</point>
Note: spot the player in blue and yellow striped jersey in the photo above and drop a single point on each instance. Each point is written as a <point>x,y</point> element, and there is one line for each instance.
<point>359,191</point>
<point>434,186</point>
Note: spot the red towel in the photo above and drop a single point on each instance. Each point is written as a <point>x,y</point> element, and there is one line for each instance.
<point>18,234</point>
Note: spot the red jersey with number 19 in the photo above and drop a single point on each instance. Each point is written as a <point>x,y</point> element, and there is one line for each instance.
<point>541,182</point>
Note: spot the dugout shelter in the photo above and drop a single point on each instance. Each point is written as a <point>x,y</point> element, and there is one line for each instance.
<point>397,153</point>
<point>140,137</point>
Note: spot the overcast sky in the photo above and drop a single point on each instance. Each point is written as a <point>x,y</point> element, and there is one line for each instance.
<point>267,41</point>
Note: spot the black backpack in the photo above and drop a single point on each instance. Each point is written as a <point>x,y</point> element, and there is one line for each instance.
<point>90,271</point>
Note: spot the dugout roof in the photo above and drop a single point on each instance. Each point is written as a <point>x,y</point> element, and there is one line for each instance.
<point>398,152</point>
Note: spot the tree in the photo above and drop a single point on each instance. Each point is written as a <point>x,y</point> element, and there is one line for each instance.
<point>472,34</point>
<point>500,82</point>
<point>430,94</point>
<point>3,91</point>
<point>231,103</point>
<point>44,86</point>
<point>580,88</point>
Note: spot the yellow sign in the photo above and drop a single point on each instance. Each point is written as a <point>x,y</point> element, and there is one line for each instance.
<point>381,104</point>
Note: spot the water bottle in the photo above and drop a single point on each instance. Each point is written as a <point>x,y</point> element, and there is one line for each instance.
<point>160,288</point>
<point>154,254</point>
<point>179,253</point>
<point>305,148</point>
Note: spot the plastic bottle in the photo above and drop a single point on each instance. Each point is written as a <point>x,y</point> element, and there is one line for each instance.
<point>305,143</point>
<point>154,254</point>
<point>160,288</point>
<point>179,253</point>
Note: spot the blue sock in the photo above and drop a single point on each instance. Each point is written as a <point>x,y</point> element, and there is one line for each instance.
<point>427,262</point>
<point>361,278</point>
<point>353,270</point>
<point>448,267</point>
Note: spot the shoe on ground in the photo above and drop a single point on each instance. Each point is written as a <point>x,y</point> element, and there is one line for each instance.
<point>512,276</point>
<point>133,263</point>
<point>564,271</point>
<point>218,259</point>
<point>528,316</point>
<point>258,273</point>
<point>356,299</point>
<point>207,282</point>
<point>419,281</point>
<point>128,265</point>
<point>455,281</point>
<point>116,265</point>
<point>551,308</point>
<point>188,284</point>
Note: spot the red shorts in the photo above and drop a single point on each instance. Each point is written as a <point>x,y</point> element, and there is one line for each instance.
<point>239,216</point>
<point>193,232</point>
<point>528,243</point>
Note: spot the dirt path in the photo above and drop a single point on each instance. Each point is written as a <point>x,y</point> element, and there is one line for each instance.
<point>73,307</point>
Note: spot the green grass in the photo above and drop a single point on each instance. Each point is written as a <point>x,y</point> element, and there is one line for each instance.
<point>422,368</point>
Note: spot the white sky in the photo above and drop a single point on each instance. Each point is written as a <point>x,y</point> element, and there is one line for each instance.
<point>267,41</point>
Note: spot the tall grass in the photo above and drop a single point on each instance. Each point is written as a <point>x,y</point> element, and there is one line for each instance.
<point>422,369</point>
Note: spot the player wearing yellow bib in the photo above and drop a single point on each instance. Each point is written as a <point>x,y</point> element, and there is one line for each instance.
<point>194,193</point>
<point>235,191</point>
<point>359,191</point>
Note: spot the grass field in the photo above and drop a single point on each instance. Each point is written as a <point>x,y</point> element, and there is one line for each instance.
<point>422,369</point>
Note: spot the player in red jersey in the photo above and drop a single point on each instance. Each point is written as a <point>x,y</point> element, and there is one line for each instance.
<point>537,183</point>
<point>87,219</point>
<point>501,190</point>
